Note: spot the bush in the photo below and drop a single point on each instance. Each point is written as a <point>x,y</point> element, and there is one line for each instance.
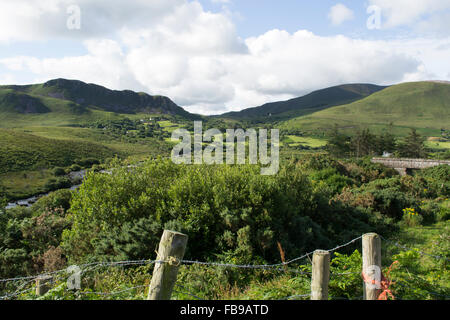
<point>75,167</point>
<point>444,212</point>
<point>58,183</point>
<point>87,162</point>
<point>58,172</point>
<point>388,196</point>
<point>57,199</point>
<point>231,211</point>
<point>411,218</point>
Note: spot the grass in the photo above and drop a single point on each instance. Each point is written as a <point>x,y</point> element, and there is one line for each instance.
<point>438,145</point>
<point>295,141</point>
<point>23,151</point>
<point>27,153</point>
<point>421,105</point>
<point>25,184</point>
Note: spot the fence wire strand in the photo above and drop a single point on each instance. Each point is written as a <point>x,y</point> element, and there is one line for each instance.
<point>275,267</point>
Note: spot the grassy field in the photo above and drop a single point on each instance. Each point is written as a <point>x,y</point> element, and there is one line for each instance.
<point>422,105</point>
<point>24,184</point>
<point>438,145</point>
<point>295,141</point>
<point>27,154</point>
<point>23,151</point>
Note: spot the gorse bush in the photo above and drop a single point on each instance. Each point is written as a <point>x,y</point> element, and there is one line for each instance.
<point>227,211</point>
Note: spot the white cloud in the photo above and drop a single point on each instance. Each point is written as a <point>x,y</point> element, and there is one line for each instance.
<point>47,19</point>
<point>424,16</point>
<point>339,13</point>
<point>196,58</point>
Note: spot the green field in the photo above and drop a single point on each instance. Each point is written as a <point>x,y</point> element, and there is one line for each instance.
<point>438,145</point>
<point>422,105</point>
<point>295,141</point>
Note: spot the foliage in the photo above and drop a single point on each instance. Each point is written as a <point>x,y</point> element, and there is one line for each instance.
<point>223,209</point>
<point>347,282</point>
<point>23,151</point>
<point>413,146</point>
<point>411,218</point>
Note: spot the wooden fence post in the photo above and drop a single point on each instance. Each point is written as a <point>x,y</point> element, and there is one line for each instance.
<point>43,284</point>
<point>320,275</point>
<point>371,258</point>
<point>171,251</point>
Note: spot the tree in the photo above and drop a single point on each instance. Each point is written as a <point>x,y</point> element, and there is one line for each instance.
<point>413,146</point>
<point>363,143</point>
<point>338,145</point>
<point>386,142</point>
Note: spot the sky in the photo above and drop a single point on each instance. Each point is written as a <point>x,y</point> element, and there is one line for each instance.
<point>215,56</point>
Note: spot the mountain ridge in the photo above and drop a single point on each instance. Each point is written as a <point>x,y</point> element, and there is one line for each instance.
<point>423,105</point>
<point>93,96</point>
<point>309,103</point>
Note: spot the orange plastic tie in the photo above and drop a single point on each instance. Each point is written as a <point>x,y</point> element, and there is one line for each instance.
<point>384,284</point>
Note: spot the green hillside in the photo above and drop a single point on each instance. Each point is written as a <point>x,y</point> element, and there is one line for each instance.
<point>23,151</point>
<point>317,100</point>
<point>63,102</point>
<point>421,105</point>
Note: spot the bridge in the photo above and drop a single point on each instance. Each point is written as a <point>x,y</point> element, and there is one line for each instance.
<point>403,165</point>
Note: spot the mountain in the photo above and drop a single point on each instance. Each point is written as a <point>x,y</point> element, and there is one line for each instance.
<point>315,101</point>
<point>75,97</point>
<point>11,101</point>
<point>422,105</point>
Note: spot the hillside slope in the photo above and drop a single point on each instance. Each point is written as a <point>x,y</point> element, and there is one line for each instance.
<point>315,101</point>
<point>23,151</point>
<point>421,105</point>
<point>74,100</point>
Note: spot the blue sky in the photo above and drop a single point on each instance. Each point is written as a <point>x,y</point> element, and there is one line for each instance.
<point>255,17</point>
<point>212,56</point>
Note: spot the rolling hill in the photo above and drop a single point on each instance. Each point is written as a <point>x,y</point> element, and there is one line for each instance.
<point>62,101</point>
<point>22,151</point>
<point>315,101</point>
<point>421,105</point>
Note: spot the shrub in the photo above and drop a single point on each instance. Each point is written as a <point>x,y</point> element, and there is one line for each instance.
<point>411,218</point>
<point>75,167</point>
<point>58,172</point>
<point>229,210</point>
<point>87,162</point>
<point>59,183</point>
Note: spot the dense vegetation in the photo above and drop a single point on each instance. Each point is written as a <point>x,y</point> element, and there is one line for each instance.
<point>232,214</point>
<point>365,143</point>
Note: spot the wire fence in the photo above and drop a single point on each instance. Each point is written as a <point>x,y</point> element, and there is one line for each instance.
<point>183,290</point>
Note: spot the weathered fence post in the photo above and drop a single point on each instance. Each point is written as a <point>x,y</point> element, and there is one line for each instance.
<point>320,275</point>
<point>371,258</point>
<point>43,284</point>
<point>171,251</point>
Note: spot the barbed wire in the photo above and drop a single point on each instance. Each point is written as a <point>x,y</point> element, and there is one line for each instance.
<point>186,293</point>
<point>296,296</point>
<point>423,294</point>
<point>275,267</point>
<point>85,267</point>
<point>267,266</point>
<point>110,293</point>
<point>218,264</point>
